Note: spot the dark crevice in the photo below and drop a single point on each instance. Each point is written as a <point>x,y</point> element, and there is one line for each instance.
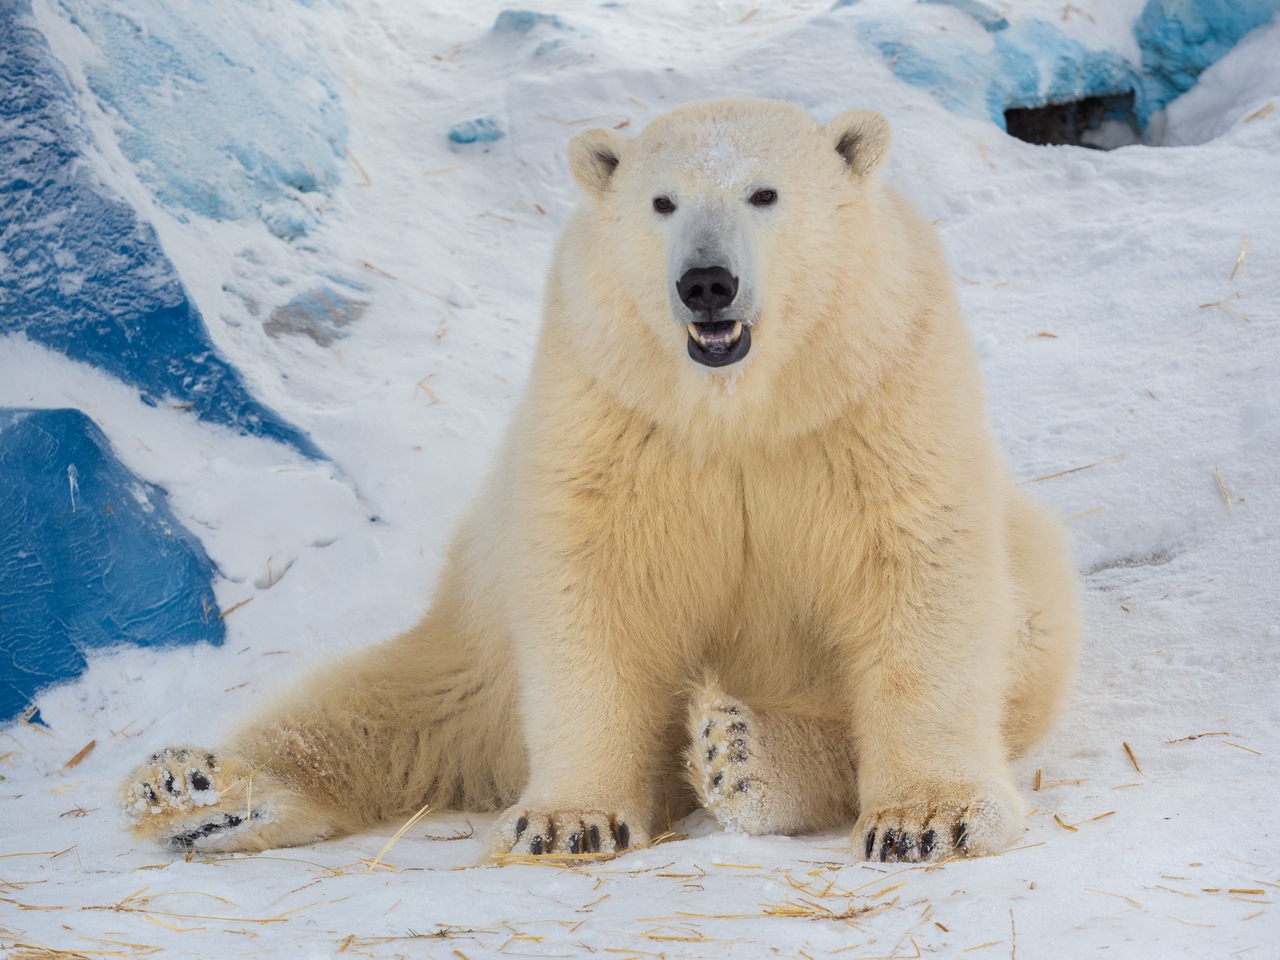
<point>1099,123</point>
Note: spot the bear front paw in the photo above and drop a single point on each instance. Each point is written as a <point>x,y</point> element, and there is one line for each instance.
<point>524,832</point>
<point>921,831</point>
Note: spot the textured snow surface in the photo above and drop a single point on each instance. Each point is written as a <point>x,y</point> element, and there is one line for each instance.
<point>80,273</point>
<point>261,131</point>
<point>1121,331</point>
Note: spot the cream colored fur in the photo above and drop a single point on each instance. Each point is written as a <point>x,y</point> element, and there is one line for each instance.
<point>826,529</point>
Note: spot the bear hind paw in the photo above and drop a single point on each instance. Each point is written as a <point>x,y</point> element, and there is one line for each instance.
<point>728,767</point>
<point>184,798</point>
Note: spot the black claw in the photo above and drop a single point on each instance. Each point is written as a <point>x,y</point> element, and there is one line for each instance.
<point>715,781</point>
<point>210,761</point>
<point>535,846</point>
<point>170,783</point>
<point>743,786</point>
<point>905,842</point>
<point>151,794</point>
<point>575,843</point>
<point>711,753</point>
<point>593,838</point>
<point>734,710</point>
<point>887,844</point>
<point>926,844</point>
<point>199,781</point>
<point>961,835</point>
<point>871,843</point>
<point>624,836</point>
<point>521,825</point>
<point>706,729</point>
<point>737,727</point>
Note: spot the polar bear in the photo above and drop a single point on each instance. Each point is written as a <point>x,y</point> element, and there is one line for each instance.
<point>749,542</point>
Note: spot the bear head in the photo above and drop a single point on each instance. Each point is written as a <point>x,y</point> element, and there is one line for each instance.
<point>724,248</point>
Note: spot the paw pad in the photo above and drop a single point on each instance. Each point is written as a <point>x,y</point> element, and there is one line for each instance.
<point>174,779</point>
<point>728,765</point>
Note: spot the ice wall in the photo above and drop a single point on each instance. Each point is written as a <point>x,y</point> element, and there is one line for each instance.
<point>81,273</point>
<point>90,556</point>
<point>1181,38</point>
<point>1031,63</point>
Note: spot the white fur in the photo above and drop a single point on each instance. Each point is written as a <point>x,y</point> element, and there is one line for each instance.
<point>826,530</point>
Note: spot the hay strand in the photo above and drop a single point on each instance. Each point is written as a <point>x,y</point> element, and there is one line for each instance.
<point>368,182</point>
<point>1222,486</point>
<point>1118,896</point>
<point>1087,513</point>
<point>377,861</point>
<point>1087,466</point>
<point>1261,112</point>
<point>233,608</point>
<point>1240,746</point>
<point>84,752</point>
<point>1132,759</point>
<point>1244,248</point>
<point>1223,306</point>
<point>1197,736</point>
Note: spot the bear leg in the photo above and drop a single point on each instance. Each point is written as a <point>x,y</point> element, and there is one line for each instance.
<point>415,721</point>
<point>1048,642</point>
<point>185,798</point>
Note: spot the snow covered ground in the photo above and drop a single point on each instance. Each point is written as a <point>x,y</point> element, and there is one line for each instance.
<point>1127,309</point>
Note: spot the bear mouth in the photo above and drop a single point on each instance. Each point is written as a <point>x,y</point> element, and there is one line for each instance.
<point>719,343</point>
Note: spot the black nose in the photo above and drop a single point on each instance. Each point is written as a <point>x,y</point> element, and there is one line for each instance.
<point>707,288</point>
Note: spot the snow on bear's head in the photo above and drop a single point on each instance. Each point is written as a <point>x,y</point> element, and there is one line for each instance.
<point>718,245</point>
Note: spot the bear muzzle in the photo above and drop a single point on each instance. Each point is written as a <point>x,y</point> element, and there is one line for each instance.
<point>718,340</point>
<point>718,343</point>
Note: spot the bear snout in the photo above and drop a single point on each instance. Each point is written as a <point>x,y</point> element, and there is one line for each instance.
<point>707,289</point>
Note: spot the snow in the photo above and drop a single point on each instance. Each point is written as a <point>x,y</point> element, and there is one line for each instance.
<point>1119,337</point>
<point>261,125</point>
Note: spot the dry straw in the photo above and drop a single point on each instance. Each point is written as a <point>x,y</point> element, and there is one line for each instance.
<point>377,861</point>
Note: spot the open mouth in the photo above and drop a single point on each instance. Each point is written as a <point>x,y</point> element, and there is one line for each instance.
<point>719,343</point>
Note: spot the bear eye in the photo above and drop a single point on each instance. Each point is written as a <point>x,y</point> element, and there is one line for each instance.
<point>663,205</point>
<point>764,198</point>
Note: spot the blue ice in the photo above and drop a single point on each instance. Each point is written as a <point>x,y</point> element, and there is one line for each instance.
<point>90,556</point>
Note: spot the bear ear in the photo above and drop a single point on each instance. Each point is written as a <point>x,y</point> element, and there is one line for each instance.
<point>862,137</point>
<point>593,156</point>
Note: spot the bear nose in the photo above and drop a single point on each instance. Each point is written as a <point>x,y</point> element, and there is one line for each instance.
<point>707,288</point>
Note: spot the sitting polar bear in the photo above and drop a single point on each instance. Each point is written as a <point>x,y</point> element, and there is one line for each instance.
<point>749,541</point>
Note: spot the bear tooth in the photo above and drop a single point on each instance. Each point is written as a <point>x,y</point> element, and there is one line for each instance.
<point>693,332</point>
<point>737,331</point>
